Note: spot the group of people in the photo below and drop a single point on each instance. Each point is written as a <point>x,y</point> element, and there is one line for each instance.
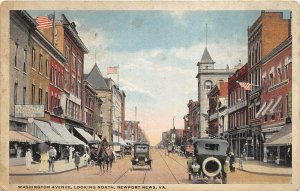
<point>105,156</point>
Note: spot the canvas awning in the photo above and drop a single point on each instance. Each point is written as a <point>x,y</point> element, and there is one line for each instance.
<point>118,139</point>
<point>275,104</point>
<point>267,107</point>
<point>62,130</point>
<point>49,132</point>
<point>282,138</point>
<point>89,138</point>
<point>23,137</point>
<point>97,138</point>
<point>260,110</point>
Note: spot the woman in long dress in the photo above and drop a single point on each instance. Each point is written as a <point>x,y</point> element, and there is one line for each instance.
<point>28,159</point>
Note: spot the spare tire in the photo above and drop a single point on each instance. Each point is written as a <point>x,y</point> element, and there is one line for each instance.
<point>211,166</point>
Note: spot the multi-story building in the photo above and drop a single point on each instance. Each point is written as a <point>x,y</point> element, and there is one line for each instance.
<point>238,130</point>
<point>123,96</point>
<point>131,130</point>
<point>191,121</point>
<point>275,113</point>
<point>267,32</point>
<point>208,76</point>
<point>217,115</point>
<point>89,98</point>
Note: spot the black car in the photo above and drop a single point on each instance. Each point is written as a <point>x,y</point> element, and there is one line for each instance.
<point>141,156</point>
<point>209,159</point>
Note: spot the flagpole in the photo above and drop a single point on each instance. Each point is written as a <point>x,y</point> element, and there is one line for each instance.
<point>53,27</point>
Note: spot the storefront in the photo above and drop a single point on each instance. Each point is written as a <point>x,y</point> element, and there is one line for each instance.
<point>278,149</point>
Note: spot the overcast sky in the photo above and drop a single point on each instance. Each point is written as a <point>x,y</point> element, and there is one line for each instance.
<point>157,52</point>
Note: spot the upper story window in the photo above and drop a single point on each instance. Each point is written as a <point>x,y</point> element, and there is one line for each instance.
<point>47,67</point>
<point>33,58</point>
<point>16,54</point>
<point>279,74</point>
<point>79,65</point>
<point>286,71</point>
<point>208,84</point>
<point>25,60</point>
<point>271,79</point>
<point>40,63</point>
<point>67,54</point>
<point>74,62</point>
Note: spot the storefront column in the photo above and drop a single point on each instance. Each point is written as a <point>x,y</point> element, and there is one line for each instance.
<point>265,154</point>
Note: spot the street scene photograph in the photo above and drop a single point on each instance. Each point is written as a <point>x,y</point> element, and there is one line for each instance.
<point>150,97</point>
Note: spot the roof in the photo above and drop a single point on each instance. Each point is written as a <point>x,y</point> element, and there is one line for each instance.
<point>96,79</point>
<point>206,58</point>
<point>283,137</point>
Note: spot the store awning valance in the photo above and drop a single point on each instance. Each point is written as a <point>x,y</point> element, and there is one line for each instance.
<point>282,138</point>
<point>89,138</point>
<point>49,132</point>
<point>267,107</point>
<point>23,137</point>
<point>260,110</point>
<point>275,104</point>
<point>62,130</point>
<point>118,139</point>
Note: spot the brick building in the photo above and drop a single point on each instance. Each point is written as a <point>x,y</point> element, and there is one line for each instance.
<point>276,111</point>
<point>238,130</point>
<point>267,32</point>
<point>217,113</point>
<point>123,96</point>
<point>191,121</point>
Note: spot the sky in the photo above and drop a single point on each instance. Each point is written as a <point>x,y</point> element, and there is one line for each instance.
<point>157,53</point>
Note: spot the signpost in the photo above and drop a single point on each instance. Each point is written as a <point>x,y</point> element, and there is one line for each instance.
<point>29,111</point>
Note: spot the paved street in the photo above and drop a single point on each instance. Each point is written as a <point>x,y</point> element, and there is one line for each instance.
<point>166,170</point>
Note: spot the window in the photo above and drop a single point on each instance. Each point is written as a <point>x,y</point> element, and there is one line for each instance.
<point>52,74</point>
<point>212,147</point>
<point>32,93</point>
<point>79,66</point>
<point>279,74</point>
<point>280,113</point>
<point>51,104</point>
<point>33,58</point>
<point>271,80</point>
<point>40,96</point>
<point>287,106</point>
<point>286,71</point>
<point>74,62</point>
<point>79,90</point>
<point>66,82</point>
<point>47,67</point>
<point>273,116</point>
<point>40,63</point>
<point>16,93</point>
<point>46,101</point>
<point>265,118</point>
<point>73,86</point>
<point>16,53</point>
<point>25,60</point>
<point>265,84</point>
<point>24,95</point>
<point>55,77</point>
<point>208,84</point>
<point>67,54</point>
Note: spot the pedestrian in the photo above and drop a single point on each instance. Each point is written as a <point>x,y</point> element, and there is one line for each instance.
<point>231,161</point>
<point>86,158</point>
<point>52,156</point>
<point>110,158</point>
<point>77,160</point>
<point>101,158</point>
<point>71,150</point>
<point>43,148</point>
<point>66,154</point>
<point>28,159</point>
<point>241,161</point>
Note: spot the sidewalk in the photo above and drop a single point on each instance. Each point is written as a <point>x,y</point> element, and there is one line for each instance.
<point>258,167</point>
<point>59,166</point>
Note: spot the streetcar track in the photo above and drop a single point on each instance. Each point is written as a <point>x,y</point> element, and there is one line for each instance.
<point>178,162</point>
<point>144,177</point>
<point>169,168</point>
<point>121,176</point>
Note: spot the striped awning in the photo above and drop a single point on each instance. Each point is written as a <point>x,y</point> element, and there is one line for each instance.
<point>267,107</point>
<point>282,138</point>
<point>275,104</point>
<point>89,138</point>
<point>260,110</point>
<point>23,137</point>
<point>64,133</point>
<point>50,134</point>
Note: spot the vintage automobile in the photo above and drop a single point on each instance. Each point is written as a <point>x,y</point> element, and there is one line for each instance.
<point>209,159</point>
<point>141,156</point>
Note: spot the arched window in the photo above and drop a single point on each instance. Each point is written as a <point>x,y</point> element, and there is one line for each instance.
<point>208,84</point>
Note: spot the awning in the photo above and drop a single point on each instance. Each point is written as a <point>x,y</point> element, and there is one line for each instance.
<point>267,107</point>
<point>118,139</point>
<point>64,133</point>
<point>275,104</point>
<point>282,138</point>
<point>31,137</point>
<point>97,138</point>
<point>251,105</point>
<point>89,138</point>
<point>19,137</point>
<point>49,132</point>
<point>260,110</point>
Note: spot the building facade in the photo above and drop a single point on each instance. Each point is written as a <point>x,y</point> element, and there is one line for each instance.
<point>267,32</point>
<point>207,77</point>
<point>238,130</point>
<point>191,121</point>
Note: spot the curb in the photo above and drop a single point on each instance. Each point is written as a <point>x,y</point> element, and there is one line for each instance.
<point>263,173</point>
<point>38,174</point>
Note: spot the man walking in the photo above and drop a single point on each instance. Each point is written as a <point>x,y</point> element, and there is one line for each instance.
<point>66,154</point>
<point>52,155</point>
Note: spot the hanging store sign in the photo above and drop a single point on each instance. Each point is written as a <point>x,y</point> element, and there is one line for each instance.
<point>25,111</point>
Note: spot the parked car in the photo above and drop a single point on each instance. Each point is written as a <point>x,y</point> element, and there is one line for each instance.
<point>209,159</point>
<point>141,156</point>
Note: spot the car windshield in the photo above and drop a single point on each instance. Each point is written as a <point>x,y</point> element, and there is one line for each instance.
<point>141,148</point>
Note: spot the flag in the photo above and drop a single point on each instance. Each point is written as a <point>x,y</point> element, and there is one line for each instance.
<point>43,22</point>
<point>112,70</point>
<point>245,85</point>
